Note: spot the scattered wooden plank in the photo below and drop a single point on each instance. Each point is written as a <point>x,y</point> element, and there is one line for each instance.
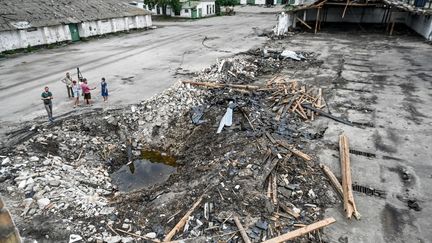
<point>334,181</point>
<point>183,220</point>
<point>349,204</point>
<point>338,119</point>
<point>300,154</point>
<point>242,230</point>
<point>269,187</point>
<point>274,188</point>
<point>302,231</point>
<point>269,136</point>
<point>319,103</point>
<point>220,85</point>
<point>247,118</point>
<point>268,168</point>
<point>289,211</point>
<point>294,151</point>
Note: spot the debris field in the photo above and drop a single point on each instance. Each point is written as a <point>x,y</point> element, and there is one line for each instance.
<point>255,172</point>
<point>237,139</point>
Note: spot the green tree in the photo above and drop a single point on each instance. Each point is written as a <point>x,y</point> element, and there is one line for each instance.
<point>176,6</point>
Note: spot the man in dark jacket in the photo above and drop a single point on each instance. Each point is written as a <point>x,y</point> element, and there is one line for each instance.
<point>47,99</point>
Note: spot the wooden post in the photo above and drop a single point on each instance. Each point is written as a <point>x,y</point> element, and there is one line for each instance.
<point>349,204</point>
<point>302,231</point>
<point>346,7</point>
<point>392,27</point>
<point>317,19</point>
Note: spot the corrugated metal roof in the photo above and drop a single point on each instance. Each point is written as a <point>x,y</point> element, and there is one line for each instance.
<point>38,13</point>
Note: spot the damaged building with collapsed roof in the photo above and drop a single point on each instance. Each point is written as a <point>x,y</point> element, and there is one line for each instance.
<point>416,14</point>
<point>27,23</point>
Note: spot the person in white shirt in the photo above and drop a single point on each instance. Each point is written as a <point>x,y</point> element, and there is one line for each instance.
<point>76,90</point>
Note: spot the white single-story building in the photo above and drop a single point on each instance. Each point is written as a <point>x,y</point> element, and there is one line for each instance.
<point>28,23</point>
<point>190,9</point>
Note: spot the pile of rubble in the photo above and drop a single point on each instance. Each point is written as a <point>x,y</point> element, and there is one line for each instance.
<point>254,172</point>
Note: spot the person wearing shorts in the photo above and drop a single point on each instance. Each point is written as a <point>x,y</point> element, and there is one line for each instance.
<point>86,91</point>
<point>76,89</point>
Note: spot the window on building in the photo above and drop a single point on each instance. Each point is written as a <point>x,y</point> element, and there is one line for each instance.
<point>186,10</point>
<point>31,29</point>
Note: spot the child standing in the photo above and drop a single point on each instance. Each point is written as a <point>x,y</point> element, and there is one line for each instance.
<point>104,90</point>
<point>76,89</point>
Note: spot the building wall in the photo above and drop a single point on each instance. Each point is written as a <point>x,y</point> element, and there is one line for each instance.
<point>16,39</point>
<point>100,27</point>
<point>421,24</point>
<point>208,8</point>
<point>184,13</point>
<point>260,2</point>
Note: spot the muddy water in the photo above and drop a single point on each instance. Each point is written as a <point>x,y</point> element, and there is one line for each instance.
<point>154,168</point>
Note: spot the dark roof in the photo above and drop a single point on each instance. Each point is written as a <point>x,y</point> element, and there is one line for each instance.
<point>21,14</point>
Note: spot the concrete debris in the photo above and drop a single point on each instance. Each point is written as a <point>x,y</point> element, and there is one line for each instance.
<point>151,235</point>
<point>74,238</point>
<point>63,171</point>
<point>292,55</point>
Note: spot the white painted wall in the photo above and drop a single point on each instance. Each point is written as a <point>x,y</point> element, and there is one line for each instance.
<point>10,40</point>
<point>208,8</point>
<point>101,27</point>
<point>184,13</point>
<point>260,2</point>
<point>421,24</point>
<point>243,2</point>
<point>16,39</point>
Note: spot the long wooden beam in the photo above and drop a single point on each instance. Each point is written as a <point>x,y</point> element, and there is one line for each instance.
<point>302,231</point>
<point>349,204</point>
<point>182,221</point>
<point>334,181</point>
<point>301,21</point>
<point>221,85</point>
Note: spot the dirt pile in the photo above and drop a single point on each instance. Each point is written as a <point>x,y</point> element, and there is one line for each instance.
<point>256,168</point>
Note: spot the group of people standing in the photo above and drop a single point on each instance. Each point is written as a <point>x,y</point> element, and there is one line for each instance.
<point>74,90</point>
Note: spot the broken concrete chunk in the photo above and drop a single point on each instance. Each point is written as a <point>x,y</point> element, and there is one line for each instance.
<point>74,238</point>
<point>151,235</point>
<point>43,202</point>
<point>6,161</point>
<point>311,194</point>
